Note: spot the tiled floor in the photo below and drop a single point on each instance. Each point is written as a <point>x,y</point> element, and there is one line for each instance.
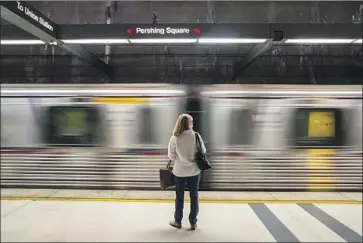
<point>70,221</point>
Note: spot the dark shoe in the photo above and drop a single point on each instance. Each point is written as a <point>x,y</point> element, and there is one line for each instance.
<point>193,226</point>
<point>175,224</point>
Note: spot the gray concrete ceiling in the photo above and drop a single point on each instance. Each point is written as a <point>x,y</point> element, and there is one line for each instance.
<point>93,12</point>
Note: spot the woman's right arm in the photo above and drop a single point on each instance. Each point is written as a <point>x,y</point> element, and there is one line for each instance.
<point>172,149</point>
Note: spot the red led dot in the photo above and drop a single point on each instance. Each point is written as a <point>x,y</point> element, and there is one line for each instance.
<point>196,31</point>
<point>129,31</point>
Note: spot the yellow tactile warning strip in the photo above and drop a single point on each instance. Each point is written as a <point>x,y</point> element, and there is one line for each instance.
<point>172,201</point>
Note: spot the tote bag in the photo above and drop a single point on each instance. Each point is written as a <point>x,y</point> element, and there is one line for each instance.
<point>166,177</point>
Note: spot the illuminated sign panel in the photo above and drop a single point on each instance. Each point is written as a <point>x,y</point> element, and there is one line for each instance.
<point>30,14</point>
<point>162,31</point>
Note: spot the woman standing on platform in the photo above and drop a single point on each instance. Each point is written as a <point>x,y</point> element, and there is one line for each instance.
<point>181,150</point>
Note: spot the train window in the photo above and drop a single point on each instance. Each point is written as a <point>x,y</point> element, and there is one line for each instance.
<point>73,125</point>
<point>240,126</point>
<point>318,127</point>
<point>146,126</point>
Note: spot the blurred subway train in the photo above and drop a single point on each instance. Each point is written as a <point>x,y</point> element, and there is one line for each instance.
<point>258,137</point>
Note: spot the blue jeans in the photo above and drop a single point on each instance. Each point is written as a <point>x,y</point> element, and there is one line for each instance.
<point>192,183</point>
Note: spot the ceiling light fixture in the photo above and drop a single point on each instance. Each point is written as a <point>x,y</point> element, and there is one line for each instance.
<point>319,41</point>
<point>229,40</point>
<point>95,41</point>
<point>181,41</point>
<point>162,41</point>
<point>22,42</point>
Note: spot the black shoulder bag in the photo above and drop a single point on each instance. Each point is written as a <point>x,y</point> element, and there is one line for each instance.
<point>200,157</point>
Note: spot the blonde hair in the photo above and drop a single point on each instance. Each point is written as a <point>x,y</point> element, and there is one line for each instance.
<point>183,123</point>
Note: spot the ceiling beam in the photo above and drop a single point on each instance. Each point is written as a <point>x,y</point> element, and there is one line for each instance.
<point>256,51</point>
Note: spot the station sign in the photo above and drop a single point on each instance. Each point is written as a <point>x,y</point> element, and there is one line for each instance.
<point>162,31</point>
<point>30,14</point>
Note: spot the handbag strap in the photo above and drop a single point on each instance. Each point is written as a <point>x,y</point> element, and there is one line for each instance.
<point>197,139</point>
<point>168,166</point>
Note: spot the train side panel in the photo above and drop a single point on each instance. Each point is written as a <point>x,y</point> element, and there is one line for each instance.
<point>19,123</point>
<point>255,140</point>
<point>128,153</point>
<point>280,144</point>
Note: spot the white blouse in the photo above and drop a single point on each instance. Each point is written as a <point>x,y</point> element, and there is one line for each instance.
<point>181,151</point>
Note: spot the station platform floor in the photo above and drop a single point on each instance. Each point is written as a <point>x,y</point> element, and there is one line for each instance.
<point>143,216</point>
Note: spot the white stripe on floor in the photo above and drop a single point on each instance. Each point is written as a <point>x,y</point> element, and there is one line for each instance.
<point>350,216</point>
<point>305,227</point>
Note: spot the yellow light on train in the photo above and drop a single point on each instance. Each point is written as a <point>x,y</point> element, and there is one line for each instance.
<point>320,160</point>
<point>120,100</point>
<point>321,124</point>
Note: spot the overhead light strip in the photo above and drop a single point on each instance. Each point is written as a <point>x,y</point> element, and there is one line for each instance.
<point>96,41</point>
<point>182,41</point>
<point>22,42</point>
<point>229,40</point>
<point>161,40</point>
<point>320,41</point>
<point>139,41</point>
